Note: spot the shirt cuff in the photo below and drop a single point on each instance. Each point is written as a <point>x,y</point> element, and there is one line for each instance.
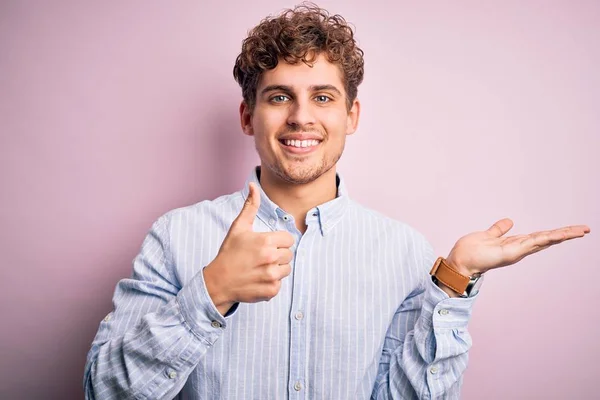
<point>199,311</point>
<point>446,312</point>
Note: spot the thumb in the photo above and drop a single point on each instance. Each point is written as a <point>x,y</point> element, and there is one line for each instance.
<point>245,219</point>
<point>500,227</point>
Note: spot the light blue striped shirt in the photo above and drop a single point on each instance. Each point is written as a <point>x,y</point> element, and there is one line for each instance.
<point>357,318</point>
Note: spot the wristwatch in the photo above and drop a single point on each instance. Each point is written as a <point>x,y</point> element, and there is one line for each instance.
<point>465,286</point>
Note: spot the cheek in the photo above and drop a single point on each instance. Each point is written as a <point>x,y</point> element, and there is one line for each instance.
<point>335,123</point>
<point>267,126</point>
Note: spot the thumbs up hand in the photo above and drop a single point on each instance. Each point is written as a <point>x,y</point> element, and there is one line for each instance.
<point>250,265</point>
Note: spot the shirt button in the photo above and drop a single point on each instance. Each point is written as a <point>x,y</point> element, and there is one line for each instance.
<point>172,374</point>
<point>443,311</point>
<point>297,386</point>
<point>434,370</point>
<point>215,324</point>
<point>299,315</point>
<point>286,217</point>
<point>108,317</point>
<point>272,222</point>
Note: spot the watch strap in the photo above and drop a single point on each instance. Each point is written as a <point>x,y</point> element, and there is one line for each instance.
<point>449,276</point>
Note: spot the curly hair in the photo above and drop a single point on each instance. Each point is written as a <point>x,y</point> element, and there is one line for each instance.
<point>299,35</point>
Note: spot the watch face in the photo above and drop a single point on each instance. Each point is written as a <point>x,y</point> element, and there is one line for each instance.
<point>473,286</point>
<point>477,285</point>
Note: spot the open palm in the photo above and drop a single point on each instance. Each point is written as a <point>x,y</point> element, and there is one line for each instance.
<point>482,251</point>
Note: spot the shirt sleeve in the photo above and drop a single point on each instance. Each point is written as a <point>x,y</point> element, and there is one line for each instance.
<point>425,351</point>
<point>157,332</point>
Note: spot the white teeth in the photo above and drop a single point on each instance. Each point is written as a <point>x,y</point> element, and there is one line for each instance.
<point>301,143</point>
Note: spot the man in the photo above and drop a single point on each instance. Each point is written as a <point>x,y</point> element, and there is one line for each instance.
<point>288,288</point>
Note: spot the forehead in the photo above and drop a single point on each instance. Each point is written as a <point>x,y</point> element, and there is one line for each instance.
<point>301,76</point>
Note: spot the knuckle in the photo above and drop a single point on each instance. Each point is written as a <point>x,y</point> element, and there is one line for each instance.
<point>289,255</point>
<point>267,240</point>
<point>272,257</point>
<point>273,289</point>
<point>290,238</point>
<point>266,255</point>
<point>271,275</point>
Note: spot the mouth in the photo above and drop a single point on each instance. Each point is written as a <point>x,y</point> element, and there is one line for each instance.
<point>300,146</point>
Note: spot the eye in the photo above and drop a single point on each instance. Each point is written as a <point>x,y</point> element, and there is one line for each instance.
<point>279,98</point>
<point>322,99</point>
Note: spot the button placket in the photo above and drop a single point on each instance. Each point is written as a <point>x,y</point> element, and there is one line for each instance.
<point>298,328</point>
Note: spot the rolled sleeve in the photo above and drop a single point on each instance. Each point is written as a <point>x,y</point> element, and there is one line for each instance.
<point>199,311</point>
<point>446,312</point>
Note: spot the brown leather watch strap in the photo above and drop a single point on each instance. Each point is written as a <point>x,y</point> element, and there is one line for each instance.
<point>449,276</point>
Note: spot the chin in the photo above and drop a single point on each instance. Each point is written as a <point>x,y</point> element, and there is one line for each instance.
<point>301,175</point>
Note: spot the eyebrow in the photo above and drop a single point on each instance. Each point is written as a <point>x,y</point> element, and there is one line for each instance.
<point>288,89</point>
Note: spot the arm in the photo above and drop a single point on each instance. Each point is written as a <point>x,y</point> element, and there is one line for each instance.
<point>158,331</point>
<point>425,349</point>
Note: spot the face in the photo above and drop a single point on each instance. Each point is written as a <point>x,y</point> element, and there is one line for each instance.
<point>300,120</point>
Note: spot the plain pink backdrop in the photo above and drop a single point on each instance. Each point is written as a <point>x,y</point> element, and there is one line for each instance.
<point>113,113</point>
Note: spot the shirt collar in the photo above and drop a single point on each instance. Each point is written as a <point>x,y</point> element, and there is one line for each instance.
<point>327,214</point>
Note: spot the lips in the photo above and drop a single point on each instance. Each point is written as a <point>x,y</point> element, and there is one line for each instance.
<point>300,143</point>
<point>297,146</point>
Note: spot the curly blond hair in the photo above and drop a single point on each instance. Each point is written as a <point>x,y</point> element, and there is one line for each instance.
<point>299,35</point>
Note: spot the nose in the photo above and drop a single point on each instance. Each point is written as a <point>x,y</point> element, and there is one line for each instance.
<point>300,114</point>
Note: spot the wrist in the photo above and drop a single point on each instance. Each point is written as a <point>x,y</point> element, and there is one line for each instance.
<point>451,293</point>
<point>217,294</point>
<point>459,266</point>
<point>454,279</point>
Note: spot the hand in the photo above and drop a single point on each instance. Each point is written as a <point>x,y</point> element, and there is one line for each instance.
<point>250,265</point>
<point>479,252</point>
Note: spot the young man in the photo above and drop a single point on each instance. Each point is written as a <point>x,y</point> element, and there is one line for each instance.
<point>288,288</point>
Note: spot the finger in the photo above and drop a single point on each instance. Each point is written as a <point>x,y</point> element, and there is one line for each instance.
<point>270,289</point>
<point>279,239</point>
<point>535,250</point>
<point>247,215</point>
<point>559,235</point>
<point>567,232</point>
<point>511,239</point>
<point>285,269</point>
<point>520,246</point>
<point>500,227</point>
<point>575,229</point>
<point>284,256</point>
<point>549,238</point>
<point>275,272</point>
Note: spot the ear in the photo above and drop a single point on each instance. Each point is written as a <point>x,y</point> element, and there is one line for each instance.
<point>246,119</point>
<point>353,117</point>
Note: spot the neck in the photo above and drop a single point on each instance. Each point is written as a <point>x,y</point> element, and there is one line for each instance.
<point>298,199</point>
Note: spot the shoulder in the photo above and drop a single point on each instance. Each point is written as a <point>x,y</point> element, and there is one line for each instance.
<point>222,209</point>
<point>384,224</point>
<point>406,245</point>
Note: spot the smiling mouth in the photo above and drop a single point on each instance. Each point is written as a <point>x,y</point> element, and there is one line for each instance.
<point>300,143</point>
<point>300,147</point>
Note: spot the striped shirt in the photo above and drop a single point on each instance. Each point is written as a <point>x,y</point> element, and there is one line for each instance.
<point>357,318</point>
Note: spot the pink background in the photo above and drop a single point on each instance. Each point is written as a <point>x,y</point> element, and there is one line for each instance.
<point>113,113</point>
